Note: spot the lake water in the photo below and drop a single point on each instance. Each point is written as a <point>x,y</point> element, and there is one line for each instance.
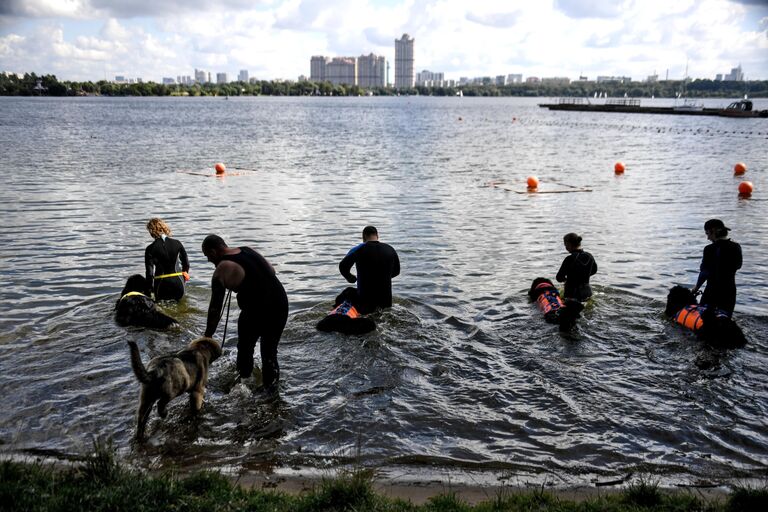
<point>462,379</point>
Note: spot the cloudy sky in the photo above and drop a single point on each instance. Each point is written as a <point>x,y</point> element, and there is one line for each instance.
<point>98,39</point>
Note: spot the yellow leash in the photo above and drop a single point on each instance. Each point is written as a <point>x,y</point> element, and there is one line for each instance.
<point>130,294</point>
<point>169,275</point>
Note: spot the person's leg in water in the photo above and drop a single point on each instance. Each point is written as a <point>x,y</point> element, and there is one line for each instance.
<point>247,336</point>
<point>270,369</point>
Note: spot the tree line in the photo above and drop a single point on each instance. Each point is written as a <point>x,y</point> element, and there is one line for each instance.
<point>48,85</point>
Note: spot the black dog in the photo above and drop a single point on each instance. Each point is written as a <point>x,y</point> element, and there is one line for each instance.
<point>135,308</point>
<point>344,318</point>
<point>555,309</point>
<point>710,324</point>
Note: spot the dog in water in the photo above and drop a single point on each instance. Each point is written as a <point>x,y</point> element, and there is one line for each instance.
<point>710,324</point>
<point>134,307</point>
<point>166,377</point>
<point>555,309</point>
<point>344,318</point>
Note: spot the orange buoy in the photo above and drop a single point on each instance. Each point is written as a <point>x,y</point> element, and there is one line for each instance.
<point>220,168</point>
<point>618,168</point>
<point>739,169</point>
<point>746,188</point>
<point>533,182</point>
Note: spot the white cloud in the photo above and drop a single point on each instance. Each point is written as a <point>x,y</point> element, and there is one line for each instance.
<point>276,38</point>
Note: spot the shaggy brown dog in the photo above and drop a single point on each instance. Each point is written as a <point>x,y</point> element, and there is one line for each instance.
<point>167,377</point>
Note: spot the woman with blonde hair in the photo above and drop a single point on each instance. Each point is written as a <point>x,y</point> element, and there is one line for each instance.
<point>162,258</point>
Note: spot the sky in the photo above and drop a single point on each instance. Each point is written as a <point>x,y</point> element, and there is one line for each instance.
<point>275,39</point>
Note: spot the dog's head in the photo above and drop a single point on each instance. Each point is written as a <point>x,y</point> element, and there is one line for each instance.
<point>535,291</point>
<point>135,283</point>
<point>569,313</point>
<point>720,331</point>
<point>677,298</point>
<point>208,346</point>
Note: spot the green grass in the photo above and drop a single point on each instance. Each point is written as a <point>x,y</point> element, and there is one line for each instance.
<point>101,483</point>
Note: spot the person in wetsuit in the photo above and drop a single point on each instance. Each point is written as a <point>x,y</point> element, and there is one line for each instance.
<point>576,269</point>
<point>262,300</point>
<point>161,259</point>
<point>377,263</point>
<point>721,260</point>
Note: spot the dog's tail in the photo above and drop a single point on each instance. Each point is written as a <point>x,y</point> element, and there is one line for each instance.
<point>137,365</point>
<point>569,313</point>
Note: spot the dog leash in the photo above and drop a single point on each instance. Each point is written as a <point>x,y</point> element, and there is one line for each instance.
<point>226,322</point>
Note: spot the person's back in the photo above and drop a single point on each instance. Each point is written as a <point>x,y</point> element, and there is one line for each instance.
<point>261,288</point>
<point>161,258</point>
<point>377,263</point>
<point>722,258</point>
<point>576,269</point>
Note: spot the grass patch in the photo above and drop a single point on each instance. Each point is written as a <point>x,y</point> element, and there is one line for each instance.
<point>101,483</point>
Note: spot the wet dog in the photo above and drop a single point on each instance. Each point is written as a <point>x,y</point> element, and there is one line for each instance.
<point>166,377</point>
<point>555,309</point>
<point>135,307</point>
<point>344,318</point>
<point>710,324</point>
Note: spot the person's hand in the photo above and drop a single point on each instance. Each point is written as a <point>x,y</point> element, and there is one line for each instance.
<point>352,279</point>
<point>695,290</point>
<point>186,276</point>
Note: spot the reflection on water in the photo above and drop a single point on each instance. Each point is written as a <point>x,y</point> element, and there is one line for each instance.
<point>462,372</point>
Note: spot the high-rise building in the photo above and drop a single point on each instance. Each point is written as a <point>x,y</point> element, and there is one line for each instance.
<point>341,70</point>
<point>317,66</point>
<point>200,76</point>
<point>430,79</point>
<point>370,70</point>
<point>221,78</point>
<point>735,75</point>
<point>515,78</point>
<point>167,80</point>
<point>243,76</point>
<point>404,62</point>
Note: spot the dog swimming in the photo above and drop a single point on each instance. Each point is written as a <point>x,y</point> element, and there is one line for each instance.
<point>166,377</point>
<point>345,318</point>
<point>135,308</point>
<point>710,324</point>
<point>555,309</point>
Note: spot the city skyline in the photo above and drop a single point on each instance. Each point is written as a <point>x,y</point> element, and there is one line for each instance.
<point>84,40</point>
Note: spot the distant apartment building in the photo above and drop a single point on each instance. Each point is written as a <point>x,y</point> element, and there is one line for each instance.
<point>532,80</point>
<point>184,79</point>
<point>120,79</point>
<point>556,80</point>
<point>242,76</point>
<point>719,77</point>
<point>167,80</point>
<point>371,70</point>
<point>200,76</point>
<point>616,79</point>
<point>221,78</point>
<point>736,75</point>
<point>341,70</point>
<point>501,80</point>
<point>429,78</point>
<point>515,78</point>
<point>404,62</point>
<point>317,66</point>
<point>652,79</point>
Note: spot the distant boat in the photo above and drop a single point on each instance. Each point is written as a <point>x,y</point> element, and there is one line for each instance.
<point>460,94</point>
<point>689,105</point>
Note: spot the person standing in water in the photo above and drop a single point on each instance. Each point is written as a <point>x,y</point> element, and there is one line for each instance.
<point>262,300</point>
<point>721,260</point>
<point>162,259</point>
<point>576,269</point>
<point>377,263</point>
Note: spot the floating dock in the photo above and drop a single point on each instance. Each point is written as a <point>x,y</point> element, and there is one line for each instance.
<point>741,108</point>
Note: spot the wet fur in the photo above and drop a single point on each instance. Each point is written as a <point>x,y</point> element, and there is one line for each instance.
<point>715,330</point>
<point>166,377</point>
<point>567,315</point>
<point>140,310</point>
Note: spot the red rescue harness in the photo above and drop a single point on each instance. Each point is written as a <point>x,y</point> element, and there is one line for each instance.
<point>690,317</point>
<point>549,300</point>
<point>345,308</point>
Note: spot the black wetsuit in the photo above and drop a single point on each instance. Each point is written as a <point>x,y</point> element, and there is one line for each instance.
<point>160,258</point>
<point>263,313</point>
<point>722,258</point>
<point>575,271</point>
<point>377,263</point>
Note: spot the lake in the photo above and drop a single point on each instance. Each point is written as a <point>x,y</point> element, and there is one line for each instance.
<point>463,379</point>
